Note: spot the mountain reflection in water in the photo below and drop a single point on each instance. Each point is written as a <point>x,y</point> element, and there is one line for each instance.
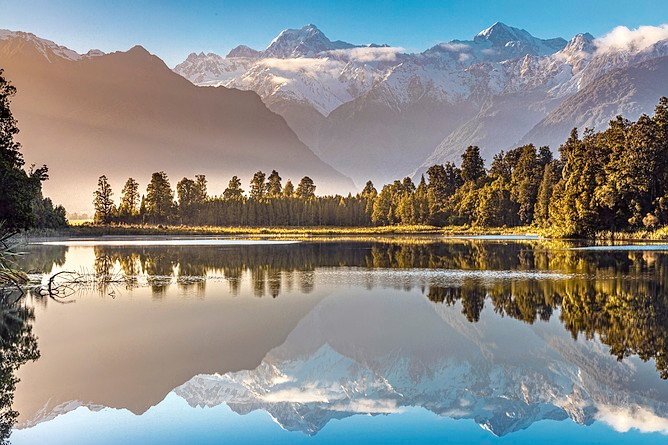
<point>365,327</point>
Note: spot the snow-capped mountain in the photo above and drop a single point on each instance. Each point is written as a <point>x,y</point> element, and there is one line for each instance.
<point>539,87</point>
<point>342,360</point>
<point>299,66</point>
<point>377,113</point>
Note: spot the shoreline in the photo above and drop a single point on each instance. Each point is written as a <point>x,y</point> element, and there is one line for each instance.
<point>91,230</point>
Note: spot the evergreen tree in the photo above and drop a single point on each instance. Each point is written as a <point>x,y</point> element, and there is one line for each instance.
<point>234,192</point>
<point>369,195</point>
<point>189,197</point>
<point>382,208</point>
<point>473,166</point>
<point>551,174</point>
<point>289,190</point>
<point>306,189</point>
<point>574,196</point>
<point>257,186</point>
<point>103,202</point>
<point>495,207</point>
<point>274,187</point>
<point>201,187</point>
<point>129,205</point>
<point>525,180</point>
<point>159,198</point>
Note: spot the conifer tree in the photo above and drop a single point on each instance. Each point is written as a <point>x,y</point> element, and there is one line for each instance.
<point>305,189</point>
<point>257,186</point>
<point>473,166</point>
<point>234,192</point>
<point>103,202</point>
<point>159,198</point>
<point>129,205</point>
<point>273,185</point>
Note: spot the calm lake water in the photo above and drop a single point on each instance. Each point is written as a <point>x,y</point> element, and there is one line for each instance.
<point>405,341</point>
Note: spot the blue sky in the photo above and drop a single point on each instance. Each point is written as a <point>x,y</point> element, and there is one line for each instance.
<point>173,29</point>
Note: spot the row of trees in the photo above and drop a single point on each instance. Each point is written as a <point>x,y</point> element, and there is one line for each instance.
<point>21,202</point>
<point>268,202</point>
<point>616,179</point>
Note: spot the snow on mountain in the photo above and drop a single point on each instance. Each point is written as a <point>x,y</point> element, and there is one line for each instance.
<point>537,86</point>
<point>308,41</point>
<point>298,66</point>
<point>212,69</point>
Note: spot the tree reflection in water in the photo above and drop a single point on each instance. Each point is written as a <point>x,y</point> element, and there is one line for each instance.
<point>619,297</point>
<point>18,345</point>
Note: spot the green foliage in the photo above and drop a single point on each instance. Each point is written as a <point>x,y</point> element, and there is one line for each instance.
<point>130,200</point>
<point>306,189</point>
<point>160,206</point>
<point>612,180</point>
<point>473,165</point>
<point>21,202</point>
<point>234,192</point>
<point>104,204</point>
<point>257,186</point>
<point>274,188</point>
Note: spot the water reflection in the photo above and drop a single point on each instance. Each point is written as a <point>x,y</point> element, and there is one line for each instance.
<point>387,326</point>
<point>18,345</point>
<point>621,297</point>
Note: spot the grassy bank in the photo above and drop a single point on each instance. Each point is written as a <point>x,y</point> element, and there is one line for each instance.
<point>93,230</point>
<point>90,230</point>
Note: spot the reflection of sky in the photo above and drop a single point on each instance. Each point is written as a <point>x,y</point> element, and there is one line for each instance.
<point>173,421</point>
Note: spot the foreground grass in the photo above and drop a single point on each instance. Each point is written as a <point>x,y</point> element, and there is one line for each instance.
<point>89,230</point>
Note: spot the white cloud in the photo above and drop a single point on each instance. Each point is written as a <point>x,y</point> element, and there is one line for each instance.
<point>455,47</point>
<point>301,64</point>
<point>622,38</point>
<point>307,394</point>
<point>368,406</point>
<point>368,54</point>
<point>623,419</point>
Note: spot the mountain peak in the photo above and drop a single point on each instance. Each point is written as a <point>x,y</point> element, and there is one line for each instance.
<point>139,50</point>
<point>518,41</point>
<point>500,34</point>
<point>581,42</point>
<point>307,41</point>
<point>244,51</point>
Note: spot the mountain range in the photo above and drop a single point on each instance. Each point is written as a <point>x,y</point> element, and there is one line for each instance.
<point>126,114</point>
<point>307,105</point>
<point>377,112</point>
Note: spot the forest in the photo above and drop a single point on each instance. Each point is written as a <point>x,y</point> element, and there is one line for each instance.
<point>612,180</point>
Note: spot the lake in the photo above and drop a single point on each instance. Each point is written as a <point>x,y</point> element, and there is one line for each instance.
<point>406,340</point>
